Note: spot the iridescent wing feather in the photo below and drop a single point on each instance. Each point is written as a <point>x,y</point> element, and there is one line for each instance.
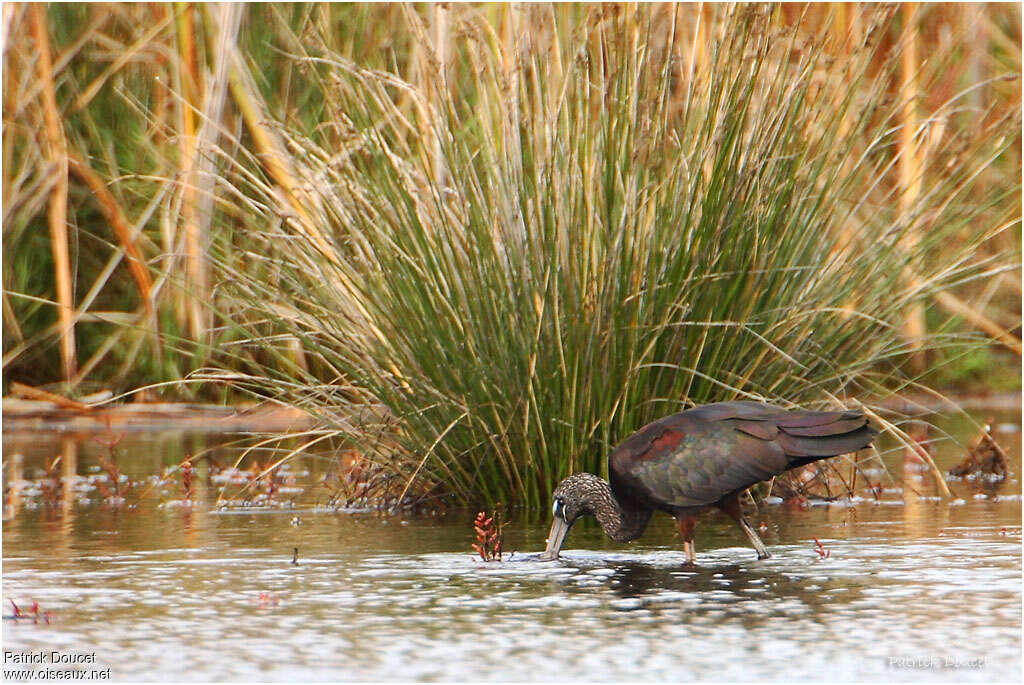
<point>697,457</point>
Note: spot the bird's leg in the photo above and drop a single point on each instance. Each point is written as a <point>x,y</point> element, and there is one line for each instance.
<point>762,551</point>
<point>686,525</point>
<point>731,506</point>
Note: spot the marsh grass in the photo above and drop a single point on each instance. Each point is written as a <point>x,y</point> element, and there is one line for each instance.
<point>140,90</point>
<point>560,234</point>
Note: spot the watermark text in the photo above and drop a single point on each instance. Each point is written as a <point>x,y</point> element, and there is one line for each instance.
<point>934,663</point>
<point>53,665</point>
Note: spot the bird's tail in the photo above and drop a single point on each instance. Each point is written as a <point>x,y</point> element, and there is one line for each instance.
<point>808,436</point>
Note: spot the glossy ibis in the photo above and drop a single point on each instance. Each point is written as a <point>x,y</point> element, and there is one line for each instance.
<point>702,457</point>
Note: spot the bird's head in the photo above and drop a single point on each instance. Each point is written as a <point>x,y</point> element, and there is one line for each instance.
<point>574,497</point>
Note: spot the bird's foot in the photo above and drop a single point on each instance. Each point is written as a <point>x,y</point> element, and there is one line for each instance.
<point>691,553</point>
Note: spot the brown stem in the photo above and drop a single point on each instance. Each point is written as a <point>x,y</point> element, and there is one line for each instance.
<point>194,264</point>
<point>57,216</point>
<point>111,211</point>
<point>957,306</point>
<point>910,168</point>
<point>30,393</point>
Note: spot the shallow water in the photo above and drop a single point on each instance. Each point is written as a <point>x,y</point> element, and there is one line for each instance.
<point>925,589</point>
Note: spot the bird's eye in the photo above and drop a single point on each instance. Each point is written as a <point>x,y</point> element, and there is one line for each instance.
<point>555,507</point>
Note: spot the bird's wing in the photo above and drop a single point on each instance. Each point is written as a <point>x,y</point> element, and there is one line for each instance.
<point>698,456</point>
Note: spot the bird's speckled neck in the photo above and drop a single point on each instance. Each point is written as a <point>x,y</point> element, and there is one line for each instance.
<point>619,519</point>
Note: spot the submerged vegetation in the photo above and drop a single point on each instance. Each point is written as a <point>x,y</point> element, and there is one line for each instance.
<point>486,246</point>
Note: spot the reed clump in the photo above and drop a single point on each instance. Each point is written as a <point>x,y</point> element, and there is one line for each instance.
<point>557,235</point>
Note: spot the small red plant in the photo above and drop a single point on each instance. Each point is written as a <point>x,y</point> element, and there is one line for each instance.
<point>360,481</point>
<point>489,536</point>
<point>187,473</point>
<point>820,550</point>
<point>266,599</point>
<point>267,475</point>
<point>113,471</point>
<point>109,465</point>
<point>50,483</point>
<point>109,441</point>
<point>32,613</point>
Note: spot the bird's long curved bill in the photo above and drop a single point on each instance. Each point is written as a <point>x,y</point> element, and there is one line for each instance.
<point>556,537</point>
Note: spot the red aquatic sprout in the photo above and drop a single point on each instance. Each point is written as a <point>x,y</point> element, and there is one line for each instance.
<point>32,613</point>
<point>489,536</point>
<point>113,472</point>
<point>265,474</point>
<point>109,441</point>
<point>109,465</point>
<point>187,473</point>
<point>820,550</point>
<point>50,482</point>
<point>265,599</point>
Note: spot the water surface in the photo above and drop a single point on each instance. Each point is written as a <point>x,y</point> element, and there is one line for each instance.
<point>922,589</point>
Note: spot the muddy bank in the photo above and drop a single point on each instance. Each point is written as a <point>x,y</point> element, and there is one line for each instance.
<point>61,414</point>
<point>34,415</point>
<point>912,404</point>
